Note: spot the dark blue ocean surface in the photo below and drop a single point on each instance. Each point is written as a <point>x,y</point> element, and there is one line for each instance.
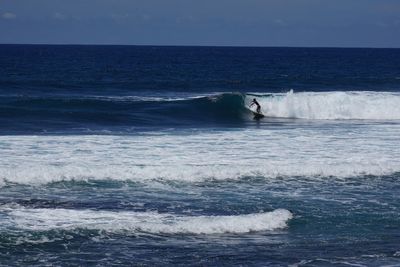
<point>97,88</point>
<point>151,156</point>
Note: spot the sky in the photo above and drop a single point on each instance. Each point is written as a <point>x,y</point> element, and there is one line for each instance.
<point>300,23</point>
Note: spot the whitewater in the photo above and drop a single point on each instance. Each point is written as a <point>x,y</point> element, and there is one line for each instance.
<point>147,222</point>
<point>336,105</point>
<point>281,151</point>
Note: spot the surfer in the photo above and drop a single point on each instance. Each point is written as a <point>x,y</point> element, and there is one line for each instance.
<point>254,102</point>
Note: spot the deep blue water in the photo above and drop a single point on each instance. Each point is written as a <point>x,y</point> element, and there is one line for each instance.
<point>73,88</point>
<point>140,155</point>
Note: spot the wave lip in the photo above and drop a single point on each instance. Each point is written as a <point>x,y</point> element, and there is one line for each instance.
<point>150,222</point>
<point>351,105</point>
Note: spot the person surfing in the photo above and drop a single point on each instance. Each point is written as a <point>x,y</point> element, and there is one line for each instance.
<point>254,102</point>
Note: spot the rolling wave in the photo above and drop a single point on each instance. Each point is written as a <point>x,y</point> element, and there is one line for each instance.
<point>148,222</point>
<point>63,113</point>
<point>42,114</point>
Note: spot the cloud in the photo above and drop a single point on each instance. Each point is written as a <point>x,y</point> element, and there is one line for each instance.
<point>119,17</point>
<point>146,17</point>
<point>280,22</point>
<point>59,16</point>
<point>185,19</point>
<point>381,24</point>
<point>8,15</point>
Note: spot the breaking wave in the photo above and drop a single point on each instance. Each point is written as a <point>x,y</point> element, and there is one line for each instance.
<point>331,105</point>
<point>149,222</point>
<point>66,113</point>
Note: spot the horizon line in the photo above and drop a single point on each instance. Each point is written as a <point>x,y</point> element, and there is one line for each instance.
<point>189,45</point>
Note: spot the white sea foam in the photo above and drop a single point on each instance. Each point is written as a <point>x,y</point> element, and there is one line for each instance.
<point>279,152</point>
<point>150,222</point>
<point>332,105</point>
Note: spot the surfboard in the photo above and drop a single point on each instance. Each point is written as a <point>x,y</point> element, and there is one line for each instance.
<point>257,115</point>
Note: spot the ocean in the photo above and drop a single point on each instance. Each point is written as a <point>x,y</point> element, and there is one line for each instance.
<point>150,156</point>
